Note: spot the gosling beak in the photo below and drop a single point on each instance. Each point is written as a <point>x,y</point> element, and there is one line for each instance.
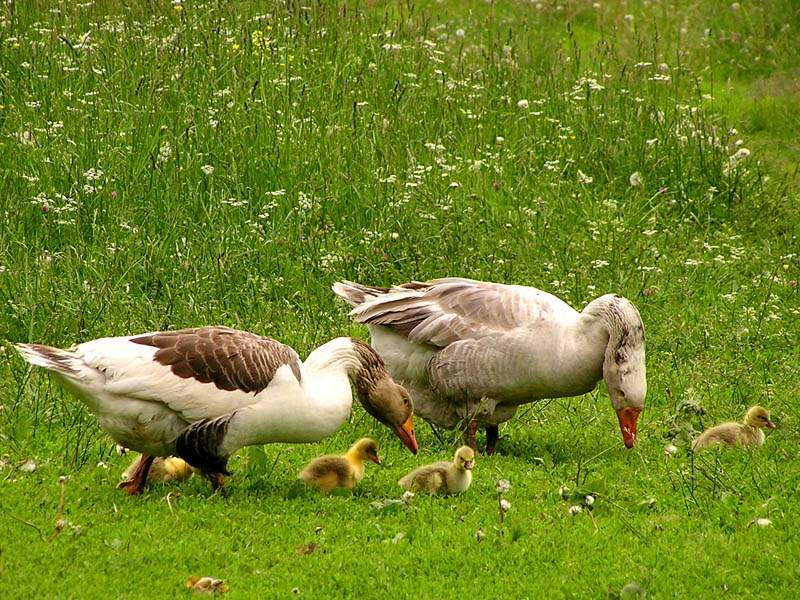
<point>627,424</point>
<point>770,424</point>
<point>376,459</point>
<point>468,464</point>
<point>406,434</point>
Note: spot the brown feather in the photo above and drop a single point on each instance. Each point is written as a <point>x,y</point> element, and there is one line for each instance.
<point>228,358</point>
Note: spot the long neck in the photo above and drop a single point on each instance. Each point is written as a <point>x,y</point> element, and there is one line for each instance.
<point>357,360</point>
<point>622,323</point>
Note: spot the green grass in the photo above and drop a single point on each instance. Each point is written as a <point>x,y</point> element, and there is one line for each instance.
<point>375,142</point>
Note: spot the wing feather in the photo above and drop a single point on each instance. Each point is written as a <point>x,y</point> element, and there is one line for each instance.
<point>443,311</point>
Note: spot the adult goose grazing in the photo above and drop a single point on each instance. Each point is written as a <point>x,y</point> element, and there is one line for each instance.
<point>474,351</point>
<point>204,393</point>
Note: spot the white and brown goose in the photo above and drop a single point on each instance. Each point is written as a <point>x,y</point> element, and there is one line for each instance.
<point>474,351</point>
<point>204,393</point>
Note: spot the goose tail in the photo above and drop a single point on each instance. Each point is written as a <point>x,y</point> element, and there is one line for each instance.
<point>356,294</point>
<point>60,361</point>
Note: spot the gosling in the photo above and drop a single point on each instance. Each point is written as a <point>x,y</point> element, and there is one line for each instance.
<point>443,477</point>
<point>332,471</point>
<point>749,433</point>
<point>164,470</point>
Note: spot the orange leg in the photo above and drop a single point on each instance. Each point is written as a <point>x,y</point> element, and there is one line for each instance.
<point>472,429</point>
<point>134,485</point>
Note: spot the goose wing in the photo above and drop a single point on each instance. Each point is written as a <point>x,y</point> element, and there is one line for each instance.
<point>443,311</point>
<point>199,373</point>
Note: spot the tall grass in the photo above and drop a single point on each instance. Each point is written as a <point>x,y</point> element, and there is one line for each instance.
<point>173,164</point>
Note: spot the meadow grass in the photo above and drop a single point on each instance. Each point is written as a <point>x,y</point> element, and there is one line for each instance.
<point>169,165</point>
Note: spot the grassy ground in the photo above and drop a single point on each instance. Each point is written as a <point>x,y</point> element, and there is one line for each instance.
<point>170,165</point>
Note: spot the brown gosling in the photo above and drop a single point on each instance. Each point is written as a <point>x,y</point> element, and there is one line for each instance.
<point>164,470</point>
<point>749,433</point>
<point>444,477</point>
<point>331,471</point>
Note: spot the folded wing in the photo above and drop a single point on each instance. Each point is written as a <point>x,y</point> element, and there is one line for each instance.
<point>443,311</point>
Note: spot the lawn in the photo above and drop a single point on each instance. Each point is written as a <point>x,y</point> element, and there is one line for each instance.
<point>173,164</point>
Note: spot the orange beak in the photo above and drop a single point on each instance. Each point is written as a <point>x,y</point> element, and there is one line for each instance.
<point>627,424</point>
<point>406,434</point>
<point>770,424</point>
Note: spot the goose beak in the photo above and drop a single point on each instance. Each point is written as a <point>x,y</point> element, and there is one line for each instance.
<point>627,424</point>
<point>376,459</point>
<point>468,464</point>
<point>406,434</point>
<point>770,424</point>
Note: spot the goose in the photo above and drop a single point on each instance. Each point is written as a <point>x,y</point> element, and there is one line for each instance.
<point>444,477</point>
<point>474,351</point>
<point>331,471</point>
<point>203,393</point>
<point>749,433</point>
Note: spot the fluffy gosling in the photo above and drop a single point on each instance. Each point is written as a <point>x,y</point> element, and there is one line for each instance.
<point>328,472</point>
<point>749,433</point>
<point>164,470</point>
<point>444,477</point>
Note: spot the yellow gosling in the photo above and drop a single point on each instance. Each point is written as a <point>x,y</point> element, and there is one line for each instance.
<point>328,472</point>
<point>443,477</point>
<point>164,470</point>
<point>749,433</point>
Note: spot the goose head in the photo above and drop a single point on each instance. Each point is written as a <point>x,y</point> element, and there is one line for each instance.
<point>464,459</point>
<point>382,397</point>
<point>365,449</point>
<point>624,368</point>
<point>758,417</point>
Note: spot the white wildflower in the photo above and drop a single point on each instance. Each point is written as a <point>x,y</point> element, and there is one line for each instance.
<point>28,466</point>
<point>460,33</point>
<point>522,103</point>
<point>575,509</point>
<point>505,505</point>
<point>584,178</point>
<point>670,449</point>
<point>207,170</point>
<point>589,500</point>
<point>165,152</point>
<point>479,535</point>
<point>503,485</point>
<point>636,179</point>
<point>628,19</point>
<point>741,154</point>
<point>762,522</point>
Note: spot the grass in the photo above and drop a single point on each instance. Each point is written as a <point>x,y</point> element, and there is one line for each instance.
<point>165,166</point>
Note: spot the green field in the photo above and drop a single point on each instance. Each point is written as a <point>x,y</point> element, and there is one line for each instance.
<point>167,165</point>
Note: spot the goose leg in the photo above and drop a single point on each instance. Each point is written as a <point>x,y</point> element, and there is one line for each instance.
<point>134,485</point>
<point>492,435</point>
<point>217,481</point>
<point>472,429</point>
